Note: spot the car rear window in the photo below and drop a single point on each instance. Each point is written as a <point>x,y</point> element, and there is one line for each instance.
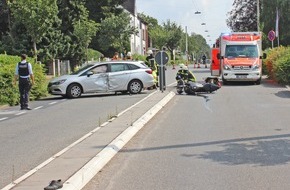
<point>133,67</point>
<point>143,64</point>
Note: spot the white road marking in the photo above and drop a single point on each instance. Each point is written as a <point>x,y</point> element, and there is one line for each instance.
<point>38,107</point>
<point>7,112</point>
<point>51,103</point>
<point>20,113</point>
<point>31,172</point>
<point>1,119</point>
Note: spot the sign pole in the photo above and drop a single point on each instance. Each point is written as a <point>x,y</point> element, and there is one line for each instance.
<point>272,44</point>
<point>161,73</point>
<point>161,58</point>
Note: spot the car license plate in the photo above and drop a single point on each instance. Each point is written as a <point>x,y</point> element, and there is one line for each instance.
<point>241,76</point>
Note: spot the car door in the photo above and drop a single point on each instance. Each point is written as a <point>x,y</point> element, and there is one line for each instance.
<point>119,76</point>
<point>96,79</point>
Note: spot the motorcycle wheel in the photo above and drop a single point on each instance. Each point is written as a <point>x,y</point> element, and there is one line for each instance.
<point>179,91</point>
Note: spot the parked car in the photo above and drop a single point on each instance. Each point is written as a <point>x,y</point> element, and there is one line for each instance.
<point>112,76</point>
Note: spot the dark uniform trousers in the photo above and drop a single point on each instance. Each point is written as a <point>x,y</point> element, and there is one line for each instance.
<point>24,88</point>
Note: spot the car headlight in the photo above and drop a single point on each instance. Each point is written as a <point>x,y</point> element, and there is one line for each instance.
<point>227,67</point>
<point>256,67</point>
<point>59,82</point>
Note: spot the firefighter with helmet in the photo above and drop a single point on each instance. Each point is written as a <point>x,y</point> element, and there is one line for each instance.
<point>150,62</point>
<point>185,74</point>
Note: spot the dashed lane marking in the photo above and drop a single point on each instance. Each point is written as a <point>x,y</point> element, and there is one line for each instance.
<point>38,107</point>
<point>20,113</point>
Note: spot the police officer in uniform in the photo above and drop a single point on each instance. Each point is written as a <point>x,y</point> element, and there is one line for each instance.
<point>24,74</point>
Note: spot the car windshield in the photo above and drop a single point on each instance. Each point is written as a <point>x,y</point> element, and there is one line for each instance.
<point>249,51</point>
<point>81,69</point>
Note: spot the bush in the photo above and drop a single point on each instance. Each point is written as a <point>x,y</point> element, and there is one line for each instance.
<point>93,55</point>
<point>282,68</point>
<point>272,56</point>
<point>9,93</point>
<point>139,57</point>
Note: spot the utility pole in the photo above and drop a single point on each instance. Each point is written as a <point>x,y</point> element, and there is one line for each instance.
<point>186,45</point>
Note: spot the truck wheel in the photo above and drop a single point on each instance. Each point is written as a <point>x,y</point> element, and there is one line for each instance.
<point>258,82</point>
<point>224,81</point>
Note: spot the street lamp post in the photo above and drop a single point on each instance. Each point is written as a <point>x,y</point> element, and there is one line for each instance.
<point>258,15</point>
<point>186,45</point>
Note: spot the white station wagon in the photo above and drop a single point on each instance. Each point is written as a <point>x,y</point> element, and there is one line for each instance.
<point>113,76</point>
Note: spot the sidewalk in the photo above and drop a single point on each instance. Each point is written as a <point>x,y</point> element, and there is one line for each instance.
<point>82,160</point>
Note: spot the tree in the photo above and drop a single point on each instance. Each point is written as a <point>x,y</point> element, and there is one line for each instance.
<point>4,18</point>
<point>151,22</point>
<point>54,45</point>
<point>268,20</point>
<point>243,17</point>
<point>100,10</point>
<point>158,36</point>
<point>197,45</point>
<point>154,30</point>
<point>173,35</point>
<point>36,16</point>
<point>115,33</point>
<point>84,30</point>
<point>79,29</point>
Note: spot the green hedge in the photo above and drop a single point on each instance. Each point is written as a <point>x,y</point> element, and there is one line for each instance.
<point>9,93</point>
<point>277,64</point>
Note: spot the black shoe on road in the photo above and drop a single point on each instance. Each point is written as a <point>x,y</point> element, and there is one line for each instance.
<point>28,108</point>
<point>54,185</point>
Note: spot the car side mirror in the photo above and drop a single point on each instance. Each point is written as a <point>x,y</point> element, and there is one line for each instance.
<point>89,73</point>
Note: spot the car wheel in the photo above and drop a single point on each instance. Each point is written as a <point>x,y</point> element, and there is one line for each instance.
<point>135,87</point>
<point>74,91</point>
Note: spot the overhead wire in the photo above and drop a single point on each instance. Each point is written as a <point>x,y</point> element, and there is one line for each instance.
<point>211,35</point>
<point>203,23</point>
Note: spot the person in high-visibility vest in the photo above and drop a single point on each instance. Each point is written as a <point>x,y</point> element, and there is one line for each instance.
<point>150,62</point>
<point>185,74</point>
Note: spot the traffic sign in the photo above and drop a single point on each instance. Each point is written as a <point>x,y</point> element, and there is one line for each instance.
<point>271,35</point>
<point>161,58</point>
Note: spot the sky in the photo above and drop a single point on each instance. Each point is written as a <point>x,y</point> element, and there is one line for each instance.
<point>182,12</point>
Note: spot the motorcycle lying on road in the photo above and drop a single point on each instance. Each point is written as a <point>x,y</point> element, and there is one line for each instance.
<point>192,88</point>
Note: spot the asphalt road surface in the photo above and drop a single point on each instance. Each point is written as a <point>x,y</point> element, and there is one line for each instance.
<point>236,138</point>
<point>28,138</point>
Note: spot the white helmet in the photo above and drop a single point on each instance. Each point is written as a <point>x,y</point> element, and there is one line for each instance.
<point>149,52</point>
<point>129,54</point>
<point>183,67</point>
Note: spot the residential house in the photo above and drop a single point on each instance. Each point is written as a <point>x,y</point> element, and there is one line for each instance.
<point>138,42</point>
